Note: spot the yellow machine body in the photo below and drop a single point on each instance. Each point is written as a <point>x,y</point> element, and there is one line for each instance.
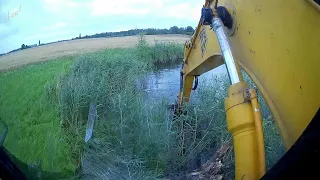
<point>276,42</point>
<point>241,110</point>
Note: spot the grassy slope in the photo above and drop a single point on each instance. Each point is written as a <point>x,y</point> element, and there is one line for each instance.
<point>34,130</point>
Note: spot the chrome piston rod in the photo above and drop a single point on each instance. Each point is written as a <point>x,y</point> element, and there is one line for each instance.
<point>225,47</point>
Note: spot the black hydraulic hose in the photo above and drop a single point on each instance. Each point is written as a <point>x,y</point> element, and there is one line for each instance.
<point>195,83</point>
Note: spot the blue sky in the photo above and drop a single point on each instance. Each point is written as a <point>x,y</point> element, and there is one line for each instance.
<point>52,20</point>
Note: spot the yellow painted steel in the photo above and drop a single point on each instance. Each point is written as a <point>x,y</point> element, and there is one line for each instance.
<point>276,43</point>
<point>249,156</point>
<point>187,87</point>
<point>258,123</point>
<point>196,63</point>
<point>211,58</point>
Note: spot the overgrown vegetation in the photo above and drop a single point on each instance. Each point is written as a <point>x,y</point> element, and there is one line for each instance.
<point>159,55</point>
<point>29,105</point>
<point>134,138</point>
<point>202,130</point>
<point>109,79</point>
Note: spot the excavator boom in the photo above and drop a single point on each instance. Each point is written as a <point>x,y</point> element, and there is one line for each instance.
<point>275,43</point>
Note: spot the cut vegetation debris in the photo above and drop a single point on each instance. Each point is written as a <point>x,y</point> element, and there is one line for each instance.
<point>46,107</point>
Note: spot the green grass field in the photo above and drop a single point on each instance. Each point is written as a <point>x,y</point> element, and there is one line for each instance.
<point>36,134</point>
<point>46,108</point>
<point>34,126</point>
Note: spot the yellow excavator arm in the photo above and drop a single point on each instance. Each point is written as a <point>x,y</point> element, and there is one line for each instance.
<point>277,43</point>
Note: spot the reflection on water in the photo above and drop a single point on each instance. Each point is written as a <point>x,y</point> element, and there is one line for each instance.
<point>165,83</point>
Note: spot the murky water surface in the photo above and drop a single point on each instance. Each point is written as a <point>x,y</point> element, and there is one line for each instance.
<point>165,83</point>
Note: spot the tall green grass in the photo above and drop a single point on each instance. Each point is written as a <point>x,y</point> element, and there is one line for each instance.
<point>96,78</point>
<point>39,133</point>
<point>159,55</point>
<point>34,132</point>
<point>127,126</point>
<point>202,130</point>
<point>135,138</point>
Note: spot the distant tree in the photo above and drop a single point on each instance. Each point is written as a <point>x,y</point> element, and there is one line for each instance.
<point>39,42</point>
<point>189,29</point>
<point>182,30</point>
<point>149,31</point>
<point>23,46</point>
<point>174,30</point>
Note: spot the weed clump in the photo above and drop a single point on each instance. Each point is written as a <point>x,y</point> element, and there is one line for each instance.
<point>161,54</point>
<point>128,127</point>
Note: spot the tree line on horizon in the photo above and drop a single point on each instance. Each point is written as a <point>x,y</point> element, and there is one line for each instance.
<point>149,31</point>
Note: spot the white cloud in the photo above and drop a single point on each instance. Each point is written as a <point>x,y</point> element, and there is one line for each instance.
<point>72,4</point>
<point>65,7</point>
<point>184,11</point>
<point>59,25</point>
<point>53,1</point>
<point>48,37</point>
<point>55,26</point>
<point>52,20</point>
<point>159,8</point>
<point>120,7</point>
